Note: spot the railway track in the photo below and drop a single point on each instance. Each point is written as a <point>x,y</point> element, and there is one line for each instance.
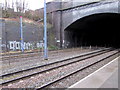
<point>27,54</point>
<point>58,80</point>
<point>14,76</point>
<point>24,55</point>
<point>17,64</point>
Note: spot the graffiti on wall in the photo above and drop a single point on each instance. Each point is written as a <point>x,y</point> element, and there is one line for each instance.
<point>16,45</point>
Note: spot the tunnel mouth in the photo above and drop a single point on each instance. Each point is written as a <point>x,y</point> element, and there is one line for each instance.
<point>100,30</point>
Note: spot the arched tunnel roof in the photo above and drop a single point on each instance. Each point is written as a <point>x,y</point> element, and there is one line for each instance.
<point>97,29</point>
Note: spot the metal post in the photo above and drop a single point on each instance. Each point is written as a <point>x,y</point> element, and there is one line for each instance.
<point>45,33</point>
<point>61,34</point>
<point>6,39</point>
<point>21,35</point>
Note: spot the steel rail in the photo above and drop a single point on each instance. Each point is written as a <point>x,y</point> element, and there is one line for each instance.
<point>74,72</point>
<point>49,68</point>
<point>81,55</point>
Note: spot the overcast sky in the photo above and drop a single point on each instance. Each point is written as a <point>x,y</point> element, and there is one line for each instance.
<point>33,4</point>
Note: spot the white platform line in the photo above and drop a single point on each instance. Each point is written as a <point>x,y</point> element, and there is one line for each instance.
<point>94,72</point>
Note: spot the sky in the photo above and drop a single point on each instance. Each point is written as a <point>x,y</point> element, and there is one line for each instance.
<point>33,4</point>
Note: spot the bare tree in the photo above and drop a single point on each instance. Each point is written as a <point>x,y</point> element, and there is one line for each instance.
<point>17,5</point>
<point>6,4</point>
<point>21,5</point>
<point>12,4</point>
<point>25,5</point>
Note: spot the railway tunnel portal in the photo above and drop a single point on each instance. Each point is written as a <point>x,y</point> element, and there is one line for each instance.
<point>92,23</point>
<point>94,30</point>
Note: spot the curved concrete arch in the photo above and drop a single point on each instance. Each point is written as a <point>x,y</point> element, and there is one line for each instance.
<point>70,17</point>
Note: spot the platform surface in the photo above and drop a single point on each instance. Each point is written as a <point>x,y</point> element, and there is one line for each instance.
<point>105,77</point>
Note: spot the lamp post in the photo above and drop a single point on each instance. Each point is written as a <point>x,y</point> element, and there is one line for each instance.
<point>45,33</point>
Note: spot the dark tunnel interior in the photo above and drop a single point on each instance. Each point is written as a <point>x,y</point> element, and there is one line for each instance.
<point>100,30</point>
